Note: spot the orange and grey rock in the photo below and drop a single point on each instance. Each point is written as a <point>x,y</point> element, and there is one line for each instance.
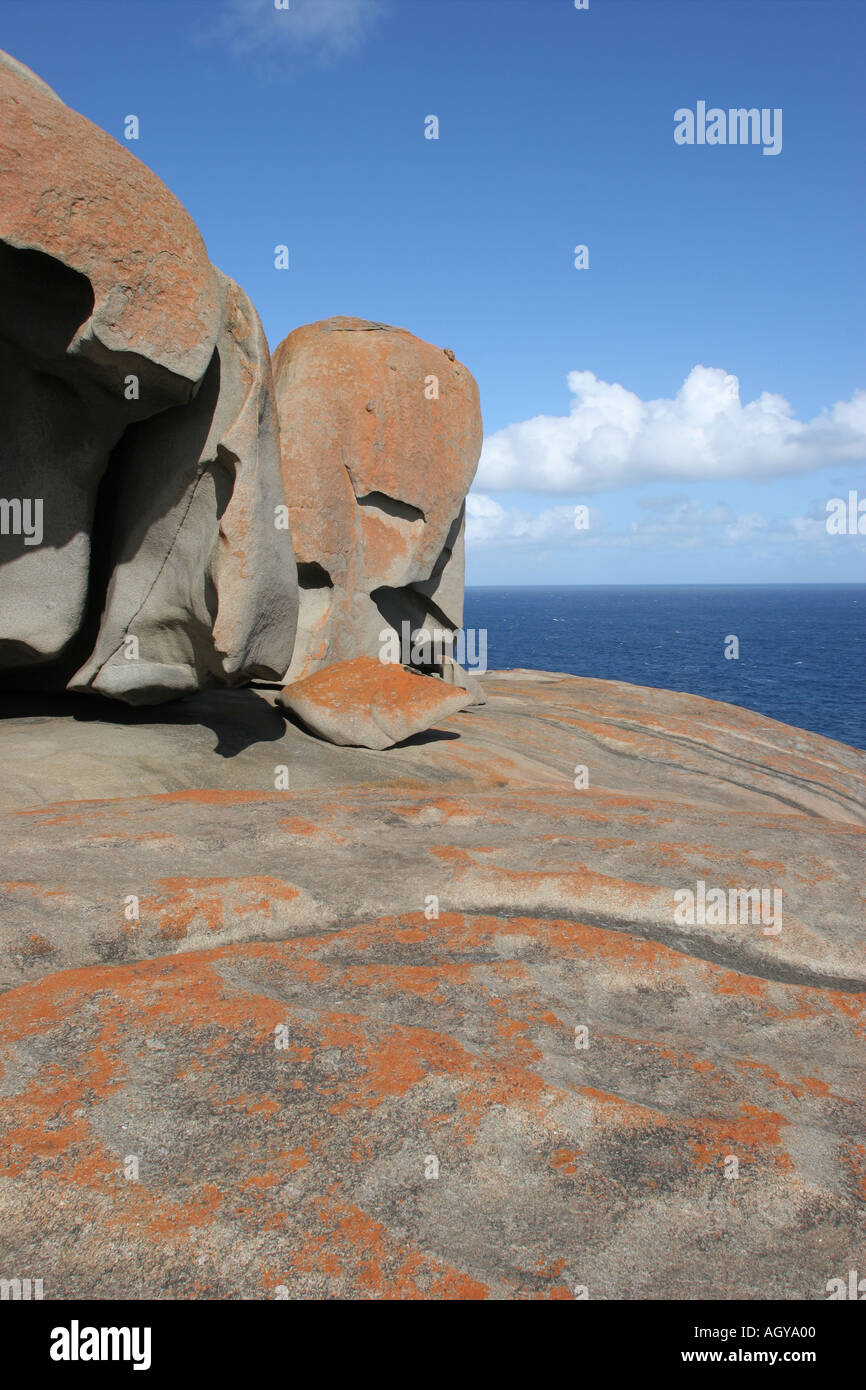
<point>328,987</point>
<point>414,1018</point>
<point>138,408</point>
<point>381,434</point>
<point>367,704</point>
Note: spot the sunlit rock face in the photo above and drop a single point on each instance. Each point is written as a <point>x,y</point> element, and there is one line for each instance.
<point>558,995</point>
<point>139,464</point>
<point>429,1020</point>
<point>381,434</point>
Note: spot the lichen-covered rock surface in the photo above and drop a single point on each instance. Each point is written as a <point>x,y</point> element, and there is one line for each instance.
<point>367,704</point>
<point>381,434</point>
<point>425,1025</point>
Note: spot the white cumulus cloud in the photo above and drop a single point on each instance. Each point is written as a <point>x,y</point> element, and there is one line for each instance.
<point>612,439</point>
<point>487,521</point>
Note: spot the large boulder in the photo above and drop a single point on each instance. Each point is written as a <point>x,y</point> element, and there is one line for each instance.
<point>139,467</point>
<point>381,434</point>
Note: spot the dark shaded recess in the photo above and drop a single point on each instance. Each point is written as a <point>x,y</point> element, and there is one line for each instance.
<point>238,718</point>
<point>34,398</point>
<point>183,429</point>
<point>408,605</point>
<point>398,606</point>
<point>391,506</point>
<point>54,675</point>
<point>42,303</point>
<point>413,602</point>
<point>428,586</point>
<point>223,470</point>
<point>312,575</point>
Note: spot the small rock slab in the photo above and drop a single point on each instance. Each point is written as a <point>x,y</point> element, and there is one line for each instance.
<point>368,704</point>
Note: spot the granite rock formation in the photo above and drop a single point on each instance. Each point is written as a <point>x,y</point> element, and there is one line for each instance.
<point>140,427</point>
<point>381,434</point>
<point>280,1018</point>
<point>145,541</point>
<point>288,1004</point>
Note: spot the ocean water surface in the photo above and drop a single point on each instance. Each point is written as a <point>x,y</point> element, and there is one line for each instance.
<point>802,647</point>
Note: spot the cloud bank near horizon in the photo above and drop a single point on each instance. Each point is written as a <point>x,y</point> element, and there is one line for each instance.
<point>677,521</point>
<point>611,439</point>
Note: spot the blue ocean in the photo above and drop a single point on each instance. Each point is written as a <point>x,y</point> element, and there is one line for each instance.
<point>802,647</point>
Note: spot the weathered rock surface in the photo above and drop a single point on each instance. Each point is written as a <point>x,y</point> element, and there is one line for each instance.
<point>381,434</point>
<point>287,1036</point>
<point>366,704</point>
<point>138,412</point>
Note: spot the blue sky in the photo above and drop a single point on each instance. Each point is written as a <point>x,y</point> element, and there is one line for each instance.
<point>306,127</point>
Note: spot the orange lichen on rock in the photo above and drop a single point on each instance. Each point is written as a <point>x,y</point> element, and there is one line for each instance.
<point>367,703</point>
<point>381,434</point>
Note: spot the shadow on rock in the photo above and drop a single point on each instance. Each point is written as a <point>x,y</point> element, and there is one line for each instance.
<point>238,718</point>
